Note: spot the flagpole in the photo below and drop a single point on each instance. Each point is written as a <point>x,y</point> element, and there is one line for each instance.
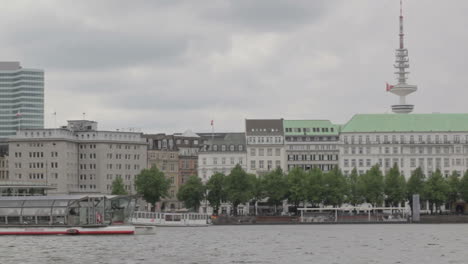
<point>212,132</point>
<point>55,119</point>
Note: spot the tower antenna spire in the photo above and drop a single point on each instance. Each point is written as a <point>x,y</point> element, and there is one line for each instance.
<point>402,34</point>
<point>402,89</point>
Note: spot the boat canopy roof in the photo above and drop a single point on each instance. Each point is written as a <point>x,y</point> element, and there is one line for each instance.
<point>54,197</point>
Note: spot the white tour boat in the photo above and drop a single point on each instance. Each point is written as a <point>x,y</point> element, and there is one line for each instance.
<point>170,219</point>
<point>68,215</point>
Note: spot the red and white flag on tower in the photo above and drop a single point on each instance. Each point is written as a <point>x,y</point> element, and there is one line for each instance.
<point>212,123</point>
<point>389,87</point>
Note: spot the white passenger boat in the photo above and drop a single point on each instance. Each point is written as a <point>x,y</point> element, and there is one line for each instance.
<point>140,218</point>
<point>68,215</point>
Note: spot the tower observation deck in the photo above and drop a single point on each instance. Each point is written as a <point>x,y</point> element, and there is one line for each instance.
<point>402,89</point>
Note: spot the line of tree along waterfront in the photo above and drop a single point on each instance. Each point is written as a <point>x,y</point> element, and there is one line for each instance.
<point>313,188</point>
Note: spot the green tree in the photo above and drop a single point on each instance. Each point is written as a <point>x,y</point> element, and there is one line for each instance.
<point>258,191</point>
<point>238,187</point>
<point>276,187</point>
<point>354,194</point>
<point>372,186</point>
<point>313,186</point>
<point>415,185</point>
<point>152,185</point>
<point>118,187</point>
<point>192,193</point>
<point>436,190</point>
<point>395,186</point>
<point>453,182</point>
<point>216,191</point>
<point>297,186</point>
<point>464,187</point>
<point>334,190</point>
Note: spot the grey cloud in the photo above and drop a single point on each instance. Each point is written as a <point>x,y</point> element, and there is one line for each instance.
<point>169,65</point>
<point>267,15</point>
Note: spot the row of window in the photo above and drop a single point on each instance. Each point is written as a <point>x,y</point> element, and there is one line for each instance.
<point>264,130</point>
<point>91,187</point>
<point>386,139</point>
<point>119,156</point>
<point>118,166</point>
<point>261,152</point>
<point>312,147</point>
<point>307,139</point>
<point>88,136</point>
<point>224,147</point>
<point>412,150</point>
<point>265,140</point>
<point>169,143</point>
<point>306,167</point>
<point>310,129</point>
<point>262,164</point>
<point>153,155</point>
<point>319,157</point>
<point>128,177</point>
<point>86,177</point>
<point>414,162</point>
<point>223,161</point>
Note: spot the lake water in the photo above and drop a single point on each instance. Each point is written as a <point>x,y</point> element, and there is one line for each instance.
<point>251,244</point>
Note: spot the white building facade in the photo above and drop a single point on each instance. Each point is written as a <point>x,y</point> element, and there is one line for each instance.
<point>77,158</point>
<point>428,141</point>
<point>265,145</point>
<point>221,154</point>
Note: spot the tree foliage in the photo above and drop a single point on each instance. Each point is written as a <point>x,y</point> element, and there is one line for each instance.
<point>152,185</point>
<point>415,185</point>
<point>192,193</point>
<point>258,190</point>
<point>395,187</point>
<point>314,186</point>
<point>276,186</point>
<point>453,182</point>
<point>297,186</point>
<point>464,187</point>
<point>372,186</point>
<point>118,187</point>
<point>334,188</point>
<point>436,190</point>
<point>238,187</point>
<point>354,194</point>
<point>216,191</point>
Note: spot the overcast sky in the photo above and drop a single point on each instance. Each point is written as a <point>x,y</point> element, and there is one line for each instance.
<point>169,65</point>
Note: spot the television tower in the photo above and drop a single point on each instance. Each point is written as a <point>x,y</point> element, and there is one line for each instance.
<point>402,89</point>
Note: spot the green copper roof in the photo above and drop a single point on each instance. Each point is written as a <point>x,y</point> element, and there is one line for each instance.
<point>310,127</point>
<point>407,123</point>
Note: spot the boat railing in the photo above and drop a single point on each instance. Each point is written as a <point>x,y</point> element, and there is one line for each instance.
<point>170,216</point>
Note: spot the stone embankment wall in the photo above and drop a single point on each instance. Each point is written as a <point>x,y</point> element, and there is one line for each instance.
<point>443,219</point>
<point>281,220</point>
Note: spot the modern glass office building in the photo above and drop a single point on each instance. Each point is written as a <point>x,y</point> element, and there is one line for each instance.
<point>21,98</point>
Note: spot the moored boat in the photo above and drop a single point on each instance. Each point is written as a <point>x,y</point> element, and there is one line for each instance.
<point>140,218</point>
<point>67,215</point>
